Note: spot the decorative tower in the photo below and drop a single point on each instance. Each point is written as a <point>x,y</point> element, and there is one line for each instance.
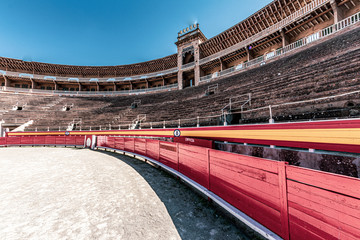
<point>188,42</point>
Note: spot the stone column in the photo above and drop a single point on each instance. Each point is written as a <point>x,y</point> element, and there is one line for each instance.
<point>180,72</point>
<point>338,13</point>
<point>197,71</point>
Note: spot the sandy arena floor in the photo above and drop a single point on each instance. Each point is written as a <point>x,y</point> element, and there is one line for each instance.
<point>64,193</point>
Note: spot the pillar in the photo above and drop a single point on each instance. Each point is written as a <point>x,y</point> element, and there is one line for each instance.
<point>1,129</point>
<point>56,87</point>
<point>97,87</point>
<point>7,82</point>
<point>180,72</point>
<point>222,65</point>
<point>250,53</point>
<point>33,84</point>
<point>115,87</point>
<point>80,87</point>
<point>131,86</point>
<point>338,13</point>
<point>197,71</point>
<point>147,83</point>
<point>284,38</point>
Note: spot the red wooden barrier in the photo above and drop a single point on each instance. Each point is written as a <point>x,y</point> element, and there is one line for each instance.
<point>2,141</point>
<point>250,184</point>
<point>129,144</point>
<point>168,154</point>
<point>39,140</point>
<point>110,142</point>
<point>120,143</point>
<point>323,205</point>
<point>140,146</point>
<point>152,149</point>
<point>194,163</point>
<point>293,202</point>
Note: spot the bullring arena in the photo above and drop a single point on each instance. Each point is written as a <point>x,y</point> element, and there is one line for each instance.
<point>253,133</point>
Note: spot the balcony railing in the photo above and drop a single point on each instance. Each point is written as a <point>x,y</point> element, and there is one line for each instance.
<point>94,79</point>
<point>281,51</point>
<point>276,27</point>
<point>107,93</point>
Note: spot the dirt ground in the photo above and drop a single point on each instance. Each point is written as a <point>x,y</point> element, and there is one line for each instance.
<point>66,193</point>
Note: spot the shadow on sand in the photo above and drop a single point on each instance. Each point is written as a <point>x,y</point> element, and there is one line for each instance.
<point>193,216</point>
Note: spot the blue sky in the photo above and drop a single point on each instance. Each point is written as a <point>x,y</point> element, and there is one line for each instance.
<point>109,32</point>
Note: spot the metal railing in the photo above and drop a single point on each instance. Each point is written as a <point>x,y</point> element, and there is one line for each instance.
<point>281,51</point>
<point>80,93</point>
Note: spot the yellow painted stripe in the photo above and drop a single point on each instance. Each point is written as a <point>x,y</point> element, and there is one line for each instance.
<point>339,136</point>
<point>336,136</point>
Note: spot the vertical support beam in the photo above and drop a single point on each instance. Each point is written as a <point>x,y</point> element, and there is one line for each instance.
<point>1,129</point>
<point>163,81</point>
<point>33,84</point>
<point>284,210</point>
<point>80,87</point>
<point>7,81</point>
<point>207,156</point>
<point>147,83</point>
<point>56,86</point>
<point>131,86</point>
<point>284,38</point>
<point>177,156</point>
<point>115,87</point>
<point>97,87</point>
<point>222,65</point>
<point>338,13</point>
<point>250,53</point>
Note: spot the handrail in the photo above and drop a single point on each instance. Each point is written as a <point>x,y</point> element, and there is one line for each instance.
<point>282,51</point>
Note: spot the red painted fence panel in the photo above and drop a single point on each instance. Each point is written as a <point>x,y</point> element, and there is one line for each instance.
<point>129,144</point>
<point>119,143</point>
<point>39,140</point>
<point>322,204</point>
<point>13,140</point>
<point>2,141</point>
<point>168,154</point>
<point>194,163</point>
<point>140,146</point>
<point>152,149</point>
<point>250,184</point>
<point>27,140</point>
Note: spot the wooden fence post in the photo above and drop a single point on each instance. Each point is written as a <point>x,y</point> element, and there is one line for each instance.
<point>178,155</point>
<point>284,210</point>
